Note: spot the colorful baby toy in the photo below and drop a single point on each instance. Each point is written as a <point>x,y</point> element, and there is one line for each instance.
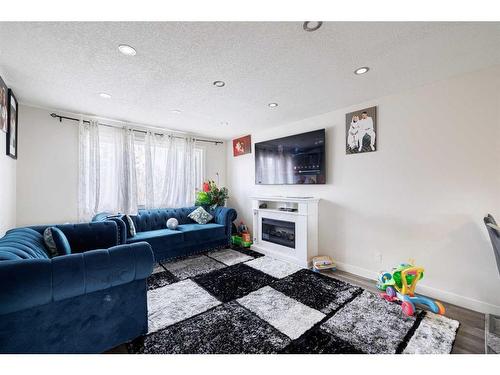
<point>400,284</point>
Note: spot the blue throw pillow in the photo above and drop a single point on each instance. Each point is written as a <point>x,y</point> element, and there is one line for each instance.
<point>56,242</point>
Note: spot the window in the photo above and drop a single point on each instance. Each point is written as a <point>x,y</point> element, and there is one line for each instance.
<point>140,163</point>
<point>110,168</point>
<point>199,167</point>
<point>121,170</point>
<point>140,170</point>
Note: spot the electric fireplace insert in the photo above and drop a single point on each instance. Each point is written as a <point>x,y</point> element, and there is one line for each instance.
<point>279,232</point>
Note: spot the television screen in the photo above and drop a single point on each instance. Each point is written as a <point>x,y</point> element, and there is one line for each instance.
<point>297,159</point>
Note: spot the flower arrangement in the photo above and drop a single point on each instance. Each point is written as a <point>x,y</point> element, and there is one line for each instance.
<point>211,195</point>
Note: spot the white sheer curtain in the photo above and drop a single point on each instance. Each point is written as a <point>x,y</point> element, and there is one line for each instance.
<point>127,178</point>
<point>156,169</point>
<point>107,170</point>
<point>170,174</point>
<point>113,162</point>
<point>88,166</point>
<point>181,185</point>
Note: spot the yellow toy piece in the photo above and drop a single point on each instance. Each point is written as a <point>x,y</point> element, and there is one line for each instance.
<point>408,282</point>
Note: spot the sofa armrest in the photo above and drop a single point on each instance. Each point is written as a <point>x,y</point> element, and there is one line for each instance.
<point>120,223</point>
<point>30,283</point>
<point>87,236</point>
<point>122,229</point>
<point>225,216</point>
<point>25,283</point>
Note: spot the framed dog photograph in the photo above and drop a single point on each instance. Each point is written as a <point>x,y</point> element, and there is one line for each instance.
<point>4,102</point>
<point>361,131</point>
<point>12,126</point>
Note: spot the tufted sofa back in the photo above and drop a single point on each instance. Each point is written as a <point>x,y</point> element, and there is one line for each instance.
<point>86,236</point>
<point>155,219</point>
<point>22,243</point>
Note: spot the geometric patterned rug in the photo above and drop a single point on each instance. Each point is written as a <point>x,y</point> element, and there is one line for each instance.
<point>239,301</point>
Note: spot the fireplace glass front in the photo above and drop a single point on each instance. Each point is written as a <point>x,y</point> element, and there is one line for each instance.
<point>279,232</point>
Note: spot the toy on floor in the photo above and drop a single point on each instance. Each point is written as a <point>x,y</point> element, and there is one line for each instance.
<point>242,228</point>
<point>323,263</point>
<point>242,237</point>
<point>400,284</point>
<point>240,241</point>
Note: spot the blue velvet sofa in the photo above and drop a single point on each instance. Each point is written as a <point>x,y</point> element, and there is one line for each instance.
<point>189,238</point>
<point>86,302</point>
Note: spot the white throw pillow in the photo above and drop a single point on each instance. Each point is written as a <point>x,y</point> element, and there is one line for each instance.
<point>131,227</point>
<point>200,216</point>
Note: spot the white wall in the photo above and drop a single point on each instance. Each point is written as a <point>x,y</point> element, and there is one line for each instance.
<point>422,195</point>
<point>215,162</point>
<point>7,188</point>
<point>47,171</point>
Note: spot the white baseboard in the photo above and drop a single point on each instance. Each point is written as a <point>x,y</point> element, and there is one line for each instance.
<point>442,295</point>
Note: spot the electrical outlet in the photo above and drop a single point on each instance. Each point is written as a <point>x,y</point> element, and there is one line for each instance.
<point>378,256</point>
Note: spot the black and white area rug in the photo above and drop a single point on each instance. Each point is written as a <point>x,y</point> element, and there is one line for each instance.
<point>239,301</point>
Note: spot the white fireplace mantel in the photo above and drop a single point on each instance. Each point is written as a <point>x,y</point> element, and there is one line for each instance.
<point>304,214</point>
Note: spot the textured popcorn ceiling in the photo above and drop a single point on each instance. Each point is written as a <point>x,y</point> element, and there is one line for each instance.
<point>66,65</point>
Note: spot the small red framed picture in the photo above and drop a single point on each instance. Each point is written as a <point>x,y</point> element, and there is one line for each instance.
<point>242,145</point>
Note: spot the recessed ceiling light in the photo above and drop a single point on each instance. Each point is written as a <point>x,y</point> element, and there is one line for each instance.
<point>104,95</point>
<point>219,83</point>
<point>361,70</point>
<point>272,105</point>
<point>175,111</point>
<point>312,25</point>
<point>127,50</point>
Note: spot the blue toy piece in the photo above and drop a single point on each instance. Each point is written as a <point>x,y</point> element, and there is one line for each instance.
<point>408,304</point>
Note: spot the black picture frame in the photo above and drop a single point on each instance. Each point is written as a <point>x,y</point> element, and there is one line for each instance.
<point>4,106</point>
<point>13,125</point>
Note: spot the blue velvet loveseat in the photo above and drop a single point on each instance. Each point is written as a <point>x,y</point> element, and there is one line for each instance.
<point>189,238</point>
<point>86,302</point>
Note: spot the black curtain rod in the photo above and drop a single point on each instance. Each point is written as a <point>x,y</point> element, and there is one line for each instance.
<point>60,117</point>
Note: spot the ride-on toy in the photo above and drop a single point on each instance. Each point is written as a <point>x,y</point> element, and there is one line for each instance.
<point>400,284</point>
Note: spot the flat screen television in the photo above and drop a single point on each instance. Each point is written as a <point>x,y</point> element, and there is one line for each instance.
<point>297,159</point>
